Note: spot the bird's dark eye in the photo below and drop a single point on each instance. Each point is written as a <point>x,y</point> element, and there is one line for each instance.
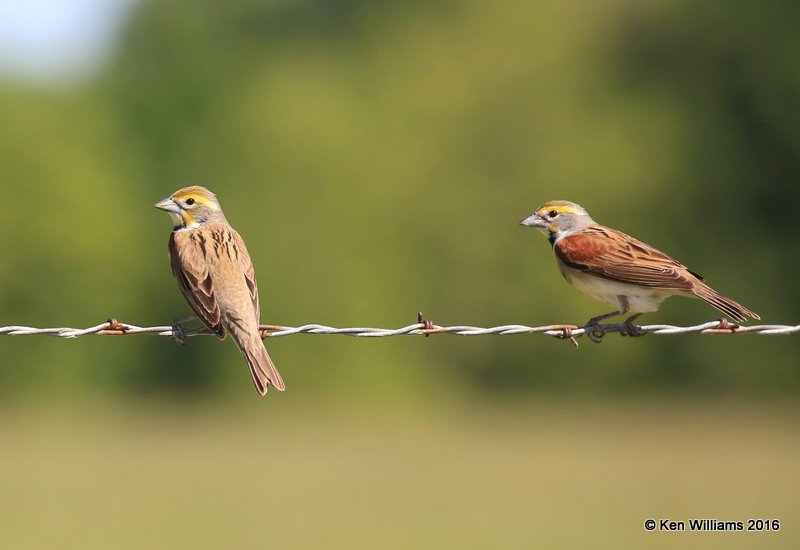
<point>552,214</point>
<point>190,201</point>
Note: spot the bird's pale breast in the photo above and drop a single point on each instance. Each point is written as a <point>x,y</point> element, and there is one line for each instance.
<point>640,299</point>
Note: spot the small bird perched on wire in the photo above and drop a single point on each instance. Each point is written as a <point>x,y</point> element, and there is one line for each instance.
<point>612,267</point>
<point>215,275</point>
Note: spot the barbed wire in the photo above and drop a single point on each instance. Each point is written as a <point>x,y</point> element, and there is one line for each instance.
<point>423,327</point>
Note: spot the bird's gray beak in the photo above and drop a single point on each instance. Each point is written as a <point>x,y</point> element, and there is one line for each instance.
<point>533,221</point>
<point>168,205</point>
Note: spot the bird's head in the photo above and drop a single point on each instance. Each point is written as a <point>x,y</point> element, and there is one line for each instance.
<point>557,219</point>
<point>192,206</point>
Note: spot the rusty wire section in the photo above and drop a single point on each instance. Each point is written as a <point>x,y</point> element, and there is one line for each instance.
<point>112,327</point>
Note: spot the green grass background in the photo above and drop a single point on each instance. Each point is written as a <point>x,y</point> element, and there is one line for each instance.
<point>571,473</point>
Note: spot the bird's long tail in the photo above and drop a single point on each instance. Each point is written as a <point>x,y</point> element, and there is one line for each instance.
<point>732,309</point>
<point>262,369</point>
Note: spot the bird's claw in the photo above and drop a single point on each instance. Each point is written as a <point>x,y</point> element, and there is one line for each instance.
<point>179,334</point>
<point>633,330</point>
<point>595,332</point>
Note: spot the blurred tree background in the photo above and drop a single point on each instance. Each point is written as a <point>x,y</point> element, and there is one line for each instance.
<point>376,157</point>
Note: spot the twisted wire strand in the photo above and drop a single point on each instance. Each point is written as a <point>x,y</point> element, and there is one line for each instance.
<point>112,327</point>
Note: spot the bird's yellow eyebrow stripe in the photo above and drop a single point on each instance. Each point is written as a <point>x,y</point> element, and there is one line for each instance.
<point>560,208</point>
<point>204,201</point>
<point>200,199</point>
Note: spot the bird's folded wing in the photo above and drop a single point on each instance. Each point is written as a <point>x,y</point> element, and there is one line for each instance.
<point>190,269</point>
<point>610,254</point>
<point>242,258</point>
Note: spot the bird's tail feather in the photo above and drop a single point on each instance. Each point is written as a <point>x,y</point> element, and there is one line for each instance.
<point>262,369</point>
<point>734,310</point>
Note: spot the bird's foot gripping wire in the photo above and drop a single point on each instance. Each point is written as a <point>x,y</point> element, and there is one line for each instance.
<point>178,330</point>
<point>631,328</point>
<point>594,331</point>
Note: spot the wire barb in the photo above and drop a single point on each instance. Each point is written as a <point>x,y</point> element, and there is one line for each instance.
<point>113,327</point>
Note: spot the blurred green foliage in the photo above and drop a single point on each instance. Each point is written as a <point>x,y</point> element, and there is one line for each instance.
<point>376,157</point>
